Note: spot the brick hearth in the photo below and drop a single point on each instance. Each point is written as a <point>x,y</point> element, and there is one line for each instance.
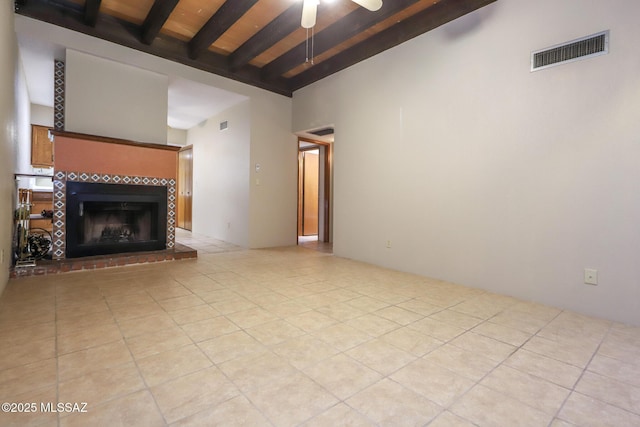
<point>46,267</point>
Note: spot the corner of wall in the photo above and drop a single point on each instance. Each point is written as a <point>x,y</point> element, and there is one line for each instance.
<point>220,175</point>
<point>273,173</point>
<point>13,88</point>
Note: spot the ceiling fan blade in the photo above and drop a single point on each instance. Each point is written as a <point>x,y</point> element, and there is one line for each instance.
<point>371,5</point>
<point>309,11</point>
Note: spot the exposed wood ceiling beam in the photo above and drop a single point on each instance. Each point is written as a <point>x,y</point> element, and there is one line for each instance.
<point>334,34</point>
<point>129,35</point>
<point>286,23</point>
<point>91,9</point>
<point>72,15</point>
<point>156,18</point>
<point>220,22</point>
<point>430,18</point>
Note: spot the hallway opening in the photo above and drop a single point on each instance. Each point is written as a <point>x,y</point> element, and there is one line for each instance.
<point>314,194</point>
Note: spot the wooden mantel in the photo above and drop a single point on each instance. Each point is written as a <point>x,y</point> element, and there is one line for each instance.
<point>109,140</point>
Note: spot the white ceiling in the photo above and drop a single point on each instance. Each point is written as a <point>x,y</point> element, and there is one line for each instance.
<point>190,103</point>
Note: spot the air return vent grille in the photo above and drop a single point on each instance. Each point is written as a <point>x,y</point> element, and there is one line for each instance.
<point>586,47</point>
<point>322,132</point>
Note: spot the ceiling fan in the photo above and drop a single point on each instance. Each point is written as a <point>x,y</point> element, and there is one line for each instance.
<point>310,9</point>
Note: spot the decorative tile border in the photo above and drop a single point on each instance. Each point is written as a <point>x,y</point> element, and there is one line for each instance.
<point>60,179</point>
<point>58,94</point>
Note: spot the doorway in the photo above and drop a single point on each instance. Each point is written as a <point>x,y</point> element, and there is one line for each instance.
<point>314,191</point>
<point>185,187</point>
<point>309,175</point>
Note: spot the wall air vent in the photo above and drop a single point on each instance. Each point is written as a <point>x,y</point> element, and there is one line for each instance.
<point>224,125</point>
<point>585,47</point>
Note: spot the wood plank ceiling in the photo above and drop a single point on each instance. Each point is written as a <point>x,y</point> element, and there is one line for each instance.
<point>258,42</point>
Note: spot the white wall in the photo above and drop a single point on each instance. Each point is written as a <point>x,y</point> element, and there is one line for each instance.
<point>12,87</point>
<point>176,136</point>
<point>42,115</point>
<point>233,200</point>
<point>274,187</point>
<point>485,174</point>
<point>221,175</point>
<point>22,137</point>
<point>108,98</point>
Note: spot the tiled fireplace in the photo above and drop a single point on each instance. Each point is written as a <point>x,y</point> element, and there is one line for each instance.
<point>62,202</point>
<point>112,175</point>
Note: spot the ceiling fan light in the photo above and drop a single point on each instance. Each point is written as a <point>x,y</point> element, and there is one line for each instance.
<point>309,12</point>
<point>371,5</point>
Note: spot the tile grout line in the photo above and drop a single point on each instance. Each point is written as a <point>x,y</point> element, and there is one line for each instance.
<point>56,349</point>
<point>477,382</point>
<point>586,368</point>
<point>144,381</point>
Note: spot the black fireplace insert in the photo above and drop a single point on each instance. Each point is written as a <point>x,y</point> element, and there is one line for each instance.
<point>114,218</point>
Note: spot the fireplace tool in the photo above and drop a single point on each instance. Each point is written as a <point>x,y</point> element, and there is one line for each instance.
<point>32,244</point>
<point>23,213</point>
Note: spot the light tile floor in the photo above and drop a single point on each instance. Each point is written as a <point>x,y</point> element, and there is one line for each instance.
<point>292,336</point>
<point>312,242</point>
<point>203,244</point>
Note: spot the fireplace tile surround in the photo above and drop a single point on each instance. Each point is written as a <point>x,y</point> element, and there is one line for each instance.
<point>59,201</point>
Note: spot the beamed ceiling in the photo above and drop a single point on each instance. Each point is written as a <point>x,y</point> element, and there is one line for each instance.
<point>258,42</point>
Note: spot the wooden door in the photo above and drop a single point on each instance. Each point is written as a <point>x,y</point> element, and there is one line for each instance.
<point>185,187</point>
<point>311,169</point>
<point>300,192</point>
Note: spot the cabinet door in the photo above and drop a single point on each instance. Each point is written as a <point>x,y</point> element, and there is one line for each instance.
<point>41,147</point>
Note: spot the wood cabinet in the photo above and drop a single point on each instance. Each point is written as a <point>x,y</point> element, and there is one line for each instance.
<point>41,147</point>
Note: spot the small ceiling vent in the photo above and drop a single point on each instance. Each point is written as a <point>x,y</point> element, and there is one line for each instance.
<point>322,132</point>
<point>585,47</point>
<point>224,125</point>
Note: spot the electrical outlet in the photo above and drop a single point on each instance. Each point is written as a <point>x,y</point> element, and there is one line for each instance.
<point>590,276</point>
<point>388,244</point>
<point>228,226</point>
<point>2,256</point>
